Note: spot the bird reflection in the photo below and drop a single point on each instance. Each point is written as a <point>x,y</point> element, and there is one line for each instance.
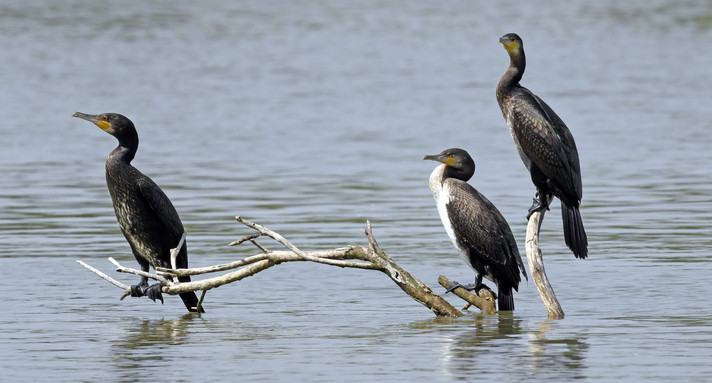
<point>155,332</point>
<point>145,345</point>
<point>505,344</point>
<point>553,356</point>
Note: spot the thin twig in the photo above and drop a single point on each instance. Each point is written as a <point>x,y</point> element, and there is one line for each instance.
<point>257,245</point>
<point>106,277</point>
<point>174,253</point>
<point>142,273</point>
<point>372,244</point>
<point>307,257</point>
<point>275,256</point>
<point>245,238</point>
<point>200,302</point>
<point>176,250</point>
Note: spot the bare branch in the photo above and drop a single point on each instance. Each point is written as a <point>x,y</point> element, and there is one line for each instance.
<point>142,273</point>
<point>257,245</point>
<point>245,238</point>
<point>372,258</point>
<point>175,251</point>
<point>536,264</point>
<point>307,257</point>
<point>484,300</point>
<point>274,256</point>
<point>274,235</point>
<point>106,277</point>
<point>372,244</point>
<point>200,302</point>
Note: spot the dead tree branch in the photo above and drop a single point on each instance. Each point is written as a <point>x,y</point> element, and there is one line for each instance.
<point>371,258</point>
<point>536,264</point>
<point>483,300</point>
<point>106,277</point>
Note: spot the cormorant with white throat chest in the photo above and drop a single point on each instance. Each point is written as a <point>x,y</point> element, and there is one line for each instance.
<point>545,145</point>
<point>146,216</point>
<point>475,226</point>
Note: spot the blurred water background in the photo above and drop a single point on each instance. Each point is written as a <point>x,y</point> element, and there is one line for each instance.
<point>312,117</point>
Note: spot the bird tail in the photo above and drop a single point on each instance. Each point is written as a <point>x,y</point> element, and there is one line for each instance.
<point>574,233</point>
<point>505,298</point>
<point>190,299</point>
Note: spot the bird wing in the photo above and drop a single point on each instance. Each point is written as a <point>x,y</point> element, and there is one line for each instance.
<point>159,203</point>
<point>547,141</point>
<point>512,250</point>
<point>478,223</point>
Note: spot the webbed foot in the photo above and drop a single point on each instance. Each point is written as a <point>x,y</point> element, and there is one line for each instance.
<point>153,292</point>
<point>538,203</point>
<point>454,285</point>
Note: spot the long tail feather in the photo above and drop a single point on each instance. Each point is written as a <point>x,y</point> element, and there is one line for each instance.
<point>574,233</point>
<point>505,298</point>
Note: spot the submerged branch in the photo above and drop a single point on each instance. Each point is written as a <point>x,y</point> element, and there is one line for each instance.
<point>483,300</point>
<point>536,264</point>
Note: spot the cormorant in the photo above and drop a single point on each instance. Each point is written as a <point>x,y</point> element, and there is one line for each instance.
<point>545,145</point>
<point>475,226</point>
<point>146,216</point>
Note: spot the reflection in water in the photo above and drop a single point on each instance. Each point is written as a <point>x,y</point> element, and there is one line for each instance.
<point>494,344</point>
<point>150,333</point>
<point>311,119</point>
<point>561,357</point>
<point>143,348</point>
<point>487,332</point>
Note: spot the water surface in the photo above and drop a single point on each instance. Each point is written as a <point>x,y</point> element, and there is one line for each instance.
<point>312,118</point>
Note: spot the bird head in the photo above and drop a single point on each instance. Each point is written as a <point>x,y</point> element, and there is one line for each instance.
<point>112,123</point>
<point>512,43</point>
<point>456,159</point>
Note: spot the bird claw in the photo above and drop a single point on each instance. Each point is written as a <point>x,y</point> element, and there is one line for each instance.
<point>152,292</point>
<point>483,286</point>
<point>455,285</point>
<point>537,205</point>
<point>138,290</point>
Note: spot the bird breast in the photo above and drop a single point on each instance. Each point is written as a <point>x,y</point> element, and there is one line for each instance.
<point>442,195</point>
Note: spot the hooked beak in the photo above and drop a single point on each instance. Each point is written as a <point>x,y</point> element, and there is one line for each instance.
<point>95,119</point>
<point>447,160</point>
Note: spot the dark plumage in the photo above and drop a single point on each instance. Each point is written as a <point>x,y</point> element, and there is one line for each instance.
<point>545,145</point>
<point>146,216</point>
<point>475,226</point>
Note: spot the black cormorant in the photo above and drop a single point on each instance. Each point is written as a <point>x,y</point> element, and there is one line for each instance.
<point>475,226</point>
<point>146,216</point>
<point>545,145</point>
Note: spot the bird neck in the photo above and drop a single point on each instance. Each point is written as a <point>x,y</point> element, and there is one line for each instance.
<point>460,174</point>
<point>443,172</point>
<point>125,152</point>
<point>511,78</point>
